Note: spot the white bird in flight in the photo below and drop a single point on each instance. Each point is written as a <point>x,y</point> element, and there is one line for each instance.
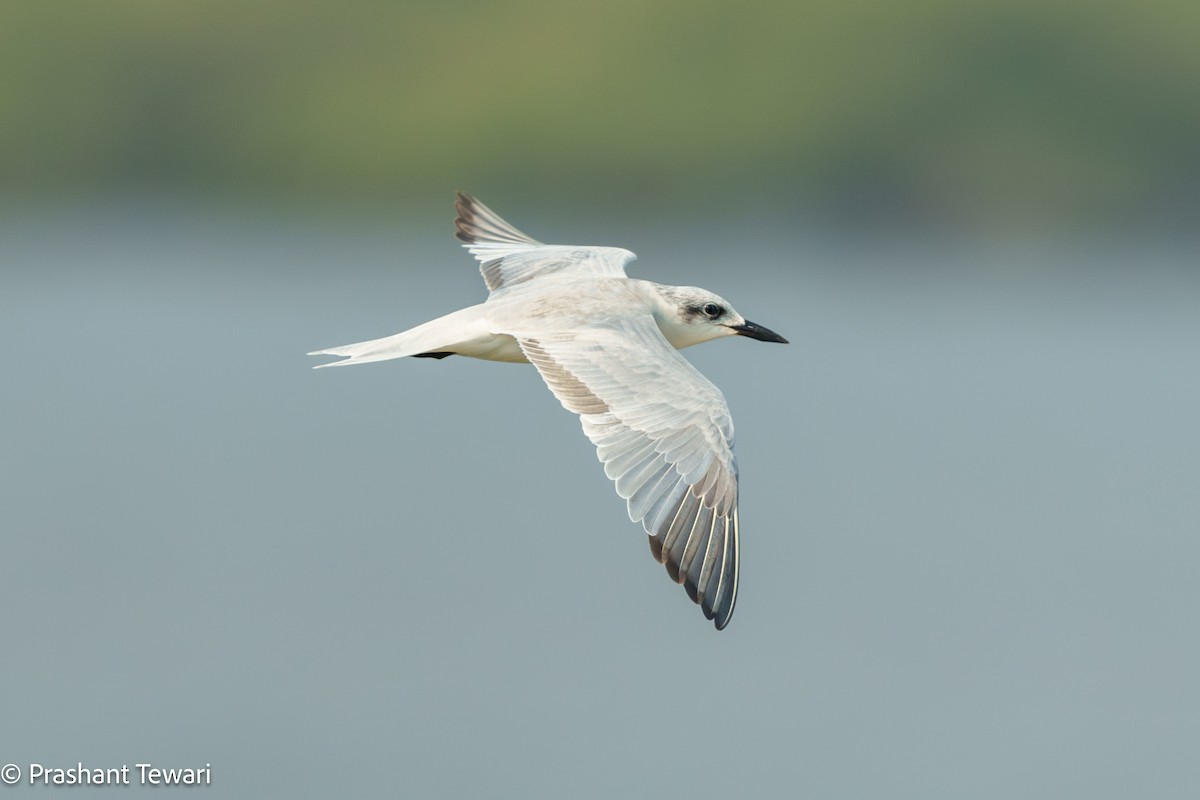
<point>606,345</point>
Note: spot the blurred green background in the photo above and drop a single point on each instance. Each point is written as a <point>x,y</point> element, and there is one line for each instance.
<point>998,115</point>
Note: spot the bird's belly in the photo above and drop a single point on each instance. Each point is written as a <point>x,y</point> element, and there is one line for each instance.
<point>493,347</point>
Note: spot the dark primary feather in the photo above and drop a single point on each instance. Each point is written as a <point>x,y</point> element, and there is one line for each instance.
<point>478,223</point>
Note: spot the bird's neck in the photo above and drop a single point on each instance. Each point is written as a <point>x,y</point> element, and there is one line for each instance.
<point>664,305</point>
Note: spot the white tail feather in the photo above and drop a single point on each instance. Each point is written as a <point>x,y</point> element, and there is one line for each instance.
<point>439,335</point>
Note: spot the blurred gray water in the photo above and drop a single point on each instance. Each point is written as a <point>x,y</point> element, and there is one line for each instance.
<point>969,501</point>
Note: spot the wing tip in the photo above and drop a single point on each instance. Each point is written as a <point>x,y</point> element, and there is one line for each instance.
<point>464,222</point>
<point>718,600</point>
<point>721,615</point>
<point>475,223</point>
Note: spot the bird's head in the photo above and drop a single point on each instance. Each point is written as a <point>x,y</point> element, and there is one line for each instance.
<point>695,315</point>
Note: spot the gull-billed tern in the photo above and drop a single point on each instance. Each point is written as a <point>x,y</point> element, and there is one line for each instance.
<point>606,345</point>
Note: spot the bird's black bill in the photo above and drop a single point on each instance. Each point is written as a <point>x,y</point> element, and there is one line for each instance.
<point>756,331</point>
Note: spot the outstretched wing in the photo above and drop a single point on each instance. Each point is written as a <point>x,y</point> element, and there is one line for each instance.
<point>509,256</point>
<point>665,436</point>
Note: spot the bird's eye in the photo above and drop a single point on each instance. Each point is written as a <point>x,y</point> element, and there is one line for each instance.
<point>713,310</point>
